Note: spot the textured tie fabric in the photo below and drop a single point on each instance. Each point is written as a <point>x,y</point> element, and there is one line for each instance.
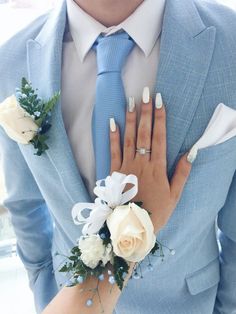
<point>110,101</point>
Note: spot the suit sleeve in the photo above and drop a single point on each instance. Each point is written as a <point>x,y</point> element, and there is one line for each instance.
<point>31,221</point>
<point>226,296</point>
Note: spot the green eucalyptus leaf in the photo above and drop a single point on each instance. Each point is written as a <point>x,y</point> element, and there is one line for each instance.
<point>63,269</point>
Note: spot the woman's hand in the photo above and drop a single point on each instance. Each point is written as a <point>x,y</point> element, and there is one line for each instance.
<point>159,196</point>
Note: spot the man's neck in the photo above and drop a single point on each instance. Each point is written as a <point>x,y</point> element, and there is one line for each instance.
<point>109,12</point>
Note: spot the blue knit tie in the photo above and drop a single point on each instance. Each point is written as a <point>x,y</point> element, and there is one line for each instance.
<point>110,101</point>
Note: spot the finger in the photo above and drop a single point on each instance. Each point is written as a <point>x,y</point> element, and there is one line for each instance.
<point>159,133</point>
<point>130,132</point>
<point>145,126</point>
<point>115,148</point>
<point>179,178</point>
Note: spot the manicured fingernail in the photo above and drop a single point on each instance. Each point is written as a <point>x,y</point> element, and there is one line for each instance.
<point>158,102</point>
<point>131,104</point>
<point>146,95</point>
<point>192,155</point>
<point>112,125</point>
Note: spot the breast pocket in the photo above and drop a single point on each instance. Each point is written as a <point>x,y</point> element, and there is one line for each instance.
<point>204,278</point>
<point>211,176</point>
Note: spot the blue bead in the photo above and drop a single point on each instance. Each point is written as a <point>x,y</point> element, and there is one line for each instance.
<point>136,276</point>
<point>101,277</point>
<point>150,267</point>
<point>111,280</point>
<point>37,113</point>
<point>80,279</point>
<point>18,94</point>
<point>124,275</point>
<point>89,302</point>
<point>102,236</point>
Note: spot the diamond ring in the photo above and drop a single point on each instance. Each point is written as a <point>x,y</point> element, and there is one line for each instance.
<point>143,151</point>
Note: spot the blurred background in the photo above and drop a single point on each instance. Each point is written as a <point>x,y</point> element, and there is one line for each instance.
<point>15,295</point>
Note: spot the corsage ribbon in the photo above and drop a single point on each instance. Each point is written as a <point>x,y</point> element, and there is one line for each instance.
<point>110,195</point>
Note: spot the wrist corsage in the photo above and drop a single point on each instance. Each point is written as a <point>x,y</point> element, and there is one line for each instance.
<point>116,232</point>
<point>26,118</point>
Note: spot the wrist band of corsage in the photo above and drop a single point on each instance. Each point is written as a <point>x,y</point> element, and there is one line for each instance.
<point>26,118</point>
<point>116,232</point>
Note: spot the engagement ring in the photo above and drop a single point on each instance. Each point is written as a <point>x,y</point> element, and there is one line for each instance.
<point>143,151</point>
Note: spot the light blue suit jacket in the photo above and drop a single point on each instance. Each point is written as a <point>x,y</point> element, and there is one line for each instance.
<point>197,71</point>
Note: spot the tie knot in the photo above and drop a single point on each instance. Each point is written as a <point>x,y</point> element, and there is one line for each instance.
<point>112,51</point>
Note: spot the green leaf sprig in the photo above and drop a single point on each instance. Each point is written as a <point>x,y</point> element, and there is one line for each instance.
<point>39,110</point>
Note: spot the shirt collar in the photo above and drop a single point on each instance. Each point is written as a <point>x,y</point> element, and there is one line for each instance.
<point>143,25</point>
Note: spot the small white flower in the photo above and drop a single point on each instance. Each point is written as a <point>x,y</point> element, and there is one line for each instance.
<point>93,250</point>
<point>37,113</point>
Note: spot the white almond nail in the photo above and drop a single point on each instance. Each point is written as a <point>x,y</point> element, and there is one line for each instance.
<point>146,95</point>
<point>131,104</point>
<point>158,102</point>
<point>112,125</point>
<point>192,155</point>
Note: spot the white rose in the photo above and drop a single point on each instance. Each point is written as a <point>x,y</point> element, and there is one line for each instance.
<point>16,122</point>
<point>93,250</point>
<point>132,232</point>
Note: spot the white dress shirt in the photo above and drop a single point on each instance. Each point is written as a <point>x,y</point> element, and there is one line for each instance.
<point>79,70</point>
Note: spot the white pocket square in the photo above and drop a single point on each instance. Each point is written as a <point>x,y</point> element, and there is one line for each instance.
<point>221,127</point>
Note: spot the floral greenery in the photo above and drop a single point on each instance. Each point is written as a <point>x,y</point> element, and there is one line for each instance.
<point>39,110</point>
<point>121,269</point>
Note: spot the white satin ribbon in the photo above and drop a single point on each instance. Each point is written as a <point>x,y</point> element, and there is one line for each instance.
<point>110,196</point>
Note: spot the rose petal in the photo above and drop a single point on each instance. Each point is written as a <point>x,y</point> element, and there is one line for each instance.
<point>119,213</point>
<point>15,120</point>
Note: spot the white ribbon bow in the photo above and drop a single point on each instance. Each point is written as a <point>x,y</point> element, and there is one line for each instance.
<point>110,195</point>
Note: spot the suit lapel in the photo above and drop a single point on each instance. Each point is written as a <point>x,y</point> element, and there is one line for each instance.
<point>44,69</point>
<point>187,46</point>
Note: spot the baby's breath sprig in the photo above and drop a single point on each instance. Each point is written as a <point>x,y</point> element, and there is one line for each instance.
<point>40,112</point>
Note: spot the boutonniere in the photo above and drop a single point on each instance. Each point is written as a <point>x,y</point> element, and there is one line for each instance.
<point>26,118</point>
<point>117,232</point>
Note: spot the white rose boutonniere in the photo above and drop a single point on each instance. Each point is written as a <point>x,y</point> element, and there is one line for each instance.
<point>116,233</point>
<point>17,123</point>
<point>26,118</point>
